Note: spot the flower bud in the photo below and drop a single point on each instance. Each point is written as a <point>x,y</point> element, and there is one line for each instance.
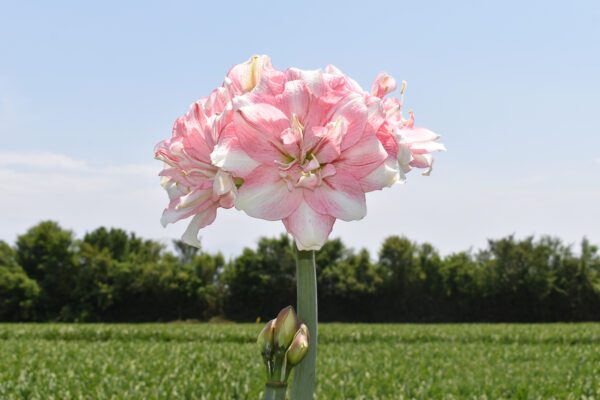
<point>266,338</point>
<point>299,346</point>
<point>286,326</point>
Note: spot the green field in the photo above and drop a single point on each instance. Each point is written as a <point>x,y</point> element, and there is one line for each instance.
<point>202,361</point>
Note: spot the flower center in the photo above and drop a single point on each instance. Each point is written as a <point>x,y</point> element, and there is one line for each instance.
<point>304,169</point>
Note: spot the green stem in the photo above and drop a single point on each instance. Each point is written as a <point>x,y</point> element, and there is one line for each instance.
<point>303,385</point>
<point>275,391</point>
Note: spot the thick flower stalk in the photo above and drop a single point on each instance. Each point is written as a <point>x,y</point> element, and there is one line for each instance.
<point>300,147</point>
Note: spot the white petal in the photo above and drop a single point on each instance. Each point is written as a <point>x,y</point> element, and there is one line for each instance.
<point>223,183</point>
<point>206,217</point>
<point>309,228</point>
<point>230,157</point>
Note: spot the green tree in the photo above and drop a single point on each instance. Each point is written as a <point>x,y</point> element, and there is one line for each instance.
<point>261,282</point>
<point>18,293</point>
<point>47,254</point>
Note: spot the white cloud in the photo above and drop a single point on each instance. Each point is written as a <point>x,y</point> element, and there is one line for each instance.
<point>41,160</point>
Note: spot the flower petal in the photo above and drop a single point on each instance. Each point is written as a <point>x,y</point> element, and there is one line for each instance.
<point>223,183</point>
<point>309,228</point>
<point>416,135</point>
<point>383,85</point>
<point>264,194</point>
<point>244,77</point>
<point>362,158</point>
<point>427,147</point>
<point>200,220</point>
<point>258,128</point>
<point>340,196</point>
<point>296,99</point>
<point>387,174</point>
<point>186,205</point>
<point>354,111</point>
<point>230,156</point>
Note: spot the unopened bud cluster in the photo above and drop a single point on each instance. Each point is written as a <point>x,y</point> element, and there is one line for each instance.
<point>283,343</point>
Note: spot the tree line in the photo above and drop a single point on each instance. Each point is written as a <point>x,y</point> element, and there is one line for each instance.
<point>113,275</point>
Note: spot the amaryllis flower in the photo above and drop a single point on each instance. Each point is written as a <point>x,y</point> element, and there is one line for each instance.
<point>316,149</point>
<point>195,186</point>
<point>298,146</point>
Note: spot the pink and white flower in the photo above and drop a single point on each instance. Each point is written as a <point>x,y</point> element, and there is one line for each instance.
<point>316,149</point>
<point>298,146</point>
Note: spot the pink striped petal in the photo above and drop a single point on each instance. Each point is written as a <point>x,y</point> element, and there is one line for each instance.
<point>329,139</point>
<point>354,111</point>
<point>296,99</point>
<point>340,196</point>
<point>385,175</point>
<point>258,128</point>
<point>309,228</point>
<point>362,158</point>
<point>264,194</point>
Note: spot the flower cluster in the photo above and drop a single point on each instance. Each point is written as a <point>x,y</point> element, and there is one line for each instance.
<point>298,146</point>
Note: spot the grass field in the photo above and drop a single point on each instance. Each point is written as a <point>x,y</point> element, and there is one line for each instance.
<point>200,361</point>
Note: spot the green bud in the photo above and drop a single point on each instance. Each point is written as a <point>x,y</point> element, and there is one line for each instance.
<point>299,346</point>
<point>266,339</point>
<point>286,326</point>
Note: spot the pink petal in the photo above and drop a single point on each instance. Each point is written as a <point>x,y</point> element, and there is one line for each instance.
<point>309,228</point>
<point>376,115</point>
<point>329,140</point>
<point>258,128</point>
<point>264,194</point>
<point>200,220</point>
<point>296,99</point>
<point>416,135</point>
<point>387,139</point>
<point>354,111</point>
<point>362,158</point>
<point>244,77</point>
<point>340,196</point>
<point>385,175</point>
<point>383,85</point>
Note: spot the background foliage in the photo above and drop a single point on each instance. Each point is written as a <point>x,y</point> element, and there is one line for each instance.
<point>112,275</point>
<point>356,361</point>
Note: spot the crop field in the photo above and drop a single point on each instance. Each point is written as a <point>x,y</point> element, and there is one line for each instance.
<point>356,361</point>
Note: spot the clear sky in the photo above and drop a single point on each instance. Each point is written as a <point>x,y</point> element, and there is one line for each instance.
<point>88,88</point>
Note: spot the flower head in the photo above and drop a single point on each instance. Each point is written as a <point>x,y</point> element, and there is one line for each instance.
<point>298,146</point>
<point>317,153</point>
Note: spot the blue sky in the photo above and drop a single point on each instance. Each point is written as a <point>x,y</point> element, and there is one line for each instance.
<point>88,88</point>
